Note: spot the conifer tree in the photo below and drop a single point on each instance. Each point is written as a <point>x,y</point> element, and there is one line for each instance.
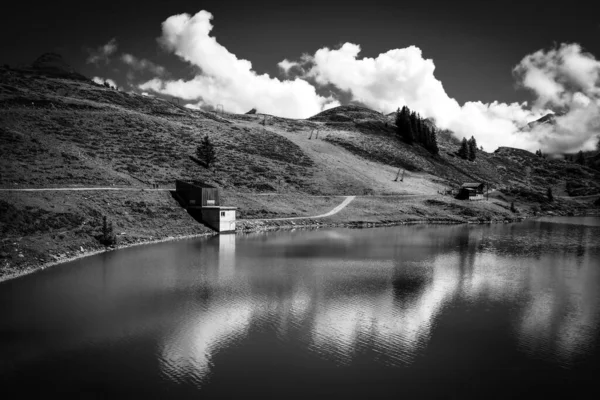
<point>404,125</point>
<point>463,152</point>
<point>399,122</point>
<point>472,144</point>
<point>432,145</point>
<point>580,158</point>
<point>206,151</point>
<point>421,131</point>
<point>414,126</point>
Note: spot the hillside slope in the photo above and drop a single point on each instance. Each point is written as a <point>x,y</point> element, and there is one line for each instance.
<point>61,130</point>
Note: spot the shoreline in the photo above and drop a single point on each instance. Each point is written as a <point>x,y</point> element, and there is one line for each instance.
<point>64,260</point>
<point>248,227</point>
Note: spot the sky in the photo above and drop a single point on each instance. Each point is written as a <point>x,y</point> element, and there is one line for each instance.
<point>477,68</point>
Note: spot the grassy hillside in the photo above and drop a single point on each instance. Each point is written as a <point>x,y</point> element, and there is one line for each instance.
<point>60,130</point>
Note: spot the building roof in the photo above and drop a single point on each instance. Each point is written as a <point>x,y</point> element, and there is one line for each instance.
<point>472,185</point>
<point>198,184</point>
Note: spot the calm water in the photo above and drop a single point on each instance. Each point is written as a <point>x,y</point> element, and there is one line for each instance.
<point>415,312</point>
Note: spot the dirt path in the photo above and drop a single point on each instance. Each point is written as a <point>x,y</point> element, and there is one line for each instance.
<point>83,189</point>
<point>335,210</point>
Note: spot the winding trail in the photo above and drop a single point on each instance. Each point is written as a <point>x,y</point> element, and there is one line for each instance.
<point>335,210</point>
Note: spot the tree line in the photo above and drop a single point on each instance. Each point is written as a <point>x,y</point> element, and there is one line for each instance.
<point>413,129</point>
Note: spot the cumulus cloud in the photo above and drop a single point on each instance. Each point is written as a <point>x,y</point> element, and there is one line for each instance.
<point>565,79</point>
<point>404,77</point>
<point>101,81</point>
<point>102,53</point>
<point>227,80</point>
<point>286,65</point>
<point>141,64</point>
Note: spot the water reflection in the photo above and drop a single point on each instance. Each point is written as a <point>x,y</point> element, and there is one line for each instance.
<point>420,297</point>
<point>386,293</point>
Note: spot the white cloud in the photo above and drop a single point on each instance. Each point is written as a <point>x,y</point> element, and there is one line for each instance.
<point>141,64</point>
<point>403,77</point>
<point>286,65</point>
<point>102,53</point>
<point>564,78</point>
<point>568,79</point>
<point>227,80</point>
<point>101,81</point>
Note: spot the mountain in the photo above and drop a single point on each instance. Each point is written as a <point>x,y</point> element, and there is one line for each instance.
<point>548,119</point>
<point>58,130</point>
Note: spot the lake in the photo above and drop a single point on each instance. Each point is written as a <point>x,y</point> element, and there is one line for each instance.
<point>485,311</point>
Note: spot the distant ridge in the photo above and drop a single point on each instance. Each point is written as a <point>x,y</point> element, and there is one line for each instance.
<point>548,119</point>
<point>52,64</point>
<point>347,113</point>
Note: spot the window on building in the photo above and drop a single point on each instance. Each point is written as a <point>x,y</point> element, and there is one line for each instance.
<point>222,213</point>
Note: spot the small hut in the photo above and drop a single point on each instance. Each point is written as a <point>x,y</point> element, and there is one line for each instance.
<point>204,198</point>
<point>471,191</point>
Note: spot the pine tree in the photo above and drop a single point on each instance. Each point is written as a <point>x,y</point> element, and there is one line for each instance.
<point>432,145</point>
<point>398,122</point>
<point>206,151</point>
<point>580,158</point>
<point>472,144</point>
<point>415,126</point>
<point>463,152</point>
<point>421,131</point>
<point>404,125</point>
